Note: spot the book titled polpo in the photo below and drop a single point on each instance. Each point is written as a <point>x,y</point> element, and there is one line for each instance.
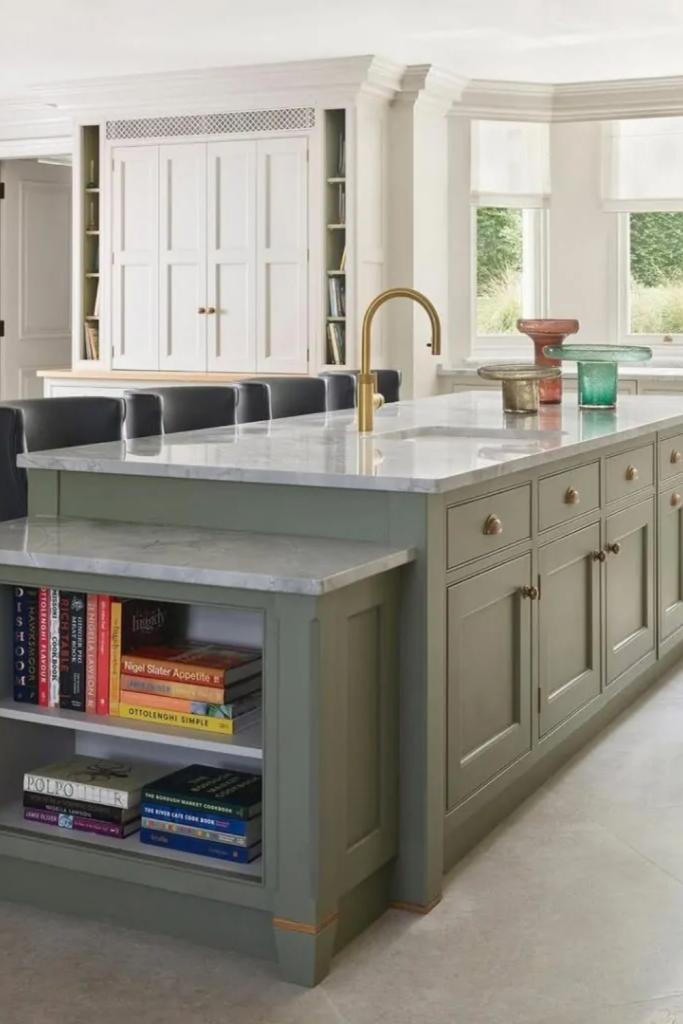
<point>95,780</point>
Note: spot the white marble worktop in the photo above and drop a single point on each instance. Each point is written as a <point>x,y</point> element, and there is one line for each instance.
<point>216,558</point>
<point>326,450</point>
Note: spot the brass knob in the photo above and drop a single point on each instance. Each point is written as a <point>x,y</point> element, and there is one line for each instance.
<point>599,556</point>
<point>531,592</point>
<point>676,500</point>
<point>210,310</point>
<point>632,473</point>
<point>572,496</point>
<point>493,526</point>
<point>614,548</point>
<point>201,309</point>
<point>676,456</point>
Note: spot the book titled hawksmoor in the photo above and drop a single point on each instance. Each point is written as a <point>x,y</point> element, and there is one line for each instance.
<point>94,780</point>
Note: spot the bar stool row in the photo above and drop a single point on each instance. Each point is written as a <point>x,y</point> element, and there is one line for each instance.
<point>42,424</point>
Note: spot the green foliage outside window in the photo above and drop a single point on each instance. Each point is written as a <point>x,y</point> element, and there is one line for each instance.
<point>656,247</point>
<point>499,269</point>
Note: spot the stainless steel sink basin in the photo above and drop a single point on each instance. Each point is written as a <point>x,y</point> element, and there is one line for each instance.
<point>443,433</point>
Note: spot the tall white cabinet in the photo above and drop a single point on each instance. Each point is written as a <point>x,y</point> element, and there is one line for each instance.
<point>209,247</point>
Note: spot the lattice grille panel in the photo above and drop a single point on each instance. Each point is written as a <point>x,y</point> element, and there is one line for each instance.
<point>233,122</point>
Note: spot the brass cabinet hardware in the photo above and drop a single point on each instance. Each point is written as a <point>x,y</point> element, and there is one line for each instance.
<point>533,593</point>
<point>676,456</point>
<point>614,548</point>
<point>572,496</point>
<point>599,556</point>
<point>210,310</point>
<point>201,309</point>
<point>493,526</point>
<point>632,473</point>
<point>676,499</point>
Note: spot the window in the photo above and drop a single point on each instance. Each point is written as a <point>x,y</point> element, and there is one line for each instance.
<point>509,268</point>
<point>655,272</point>
<point>510,185</point>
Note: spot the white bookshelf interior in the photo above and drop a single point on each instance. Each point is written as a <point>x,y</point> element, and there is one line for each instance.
<point>336,238</point>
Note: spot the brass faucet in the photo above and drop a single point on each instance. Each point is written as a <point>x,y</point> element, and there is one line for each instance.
<point>368,399</point>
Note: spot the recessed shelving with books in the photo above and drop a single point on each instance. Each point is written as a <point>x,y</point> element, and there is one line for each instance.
<point>335,326</point>
<point>88,207</point>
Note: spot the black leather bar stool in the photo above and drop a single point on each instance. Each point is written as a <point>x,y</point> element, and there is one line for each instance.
<point>274,398</point>
<point>177,409</point>
<point>41,424</point>
<point>345,391</point>
<point>12,478</point>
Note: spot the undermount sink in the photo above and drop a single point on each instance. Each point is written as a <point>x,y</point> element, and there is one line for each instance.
<point>443,433</point>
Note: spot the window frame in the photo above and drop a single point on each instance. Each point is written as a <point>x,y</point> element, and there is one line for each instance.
<point>660,347</point>
<point>535,284</point>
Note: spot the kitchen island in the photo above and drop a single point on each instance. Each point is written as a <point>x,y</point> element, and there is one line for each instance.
<point>537,566</point>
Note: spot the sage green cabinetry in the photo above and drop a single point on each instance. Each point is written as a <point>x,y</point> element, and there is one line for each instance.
<point>569,628</point>
<point>629,588</point>
<point>670,561</point>
<point>489,675</point>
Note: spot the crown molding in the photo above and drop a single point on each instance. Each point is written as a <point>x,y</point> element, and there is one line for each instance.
<point>429,84</point>
<point>186,92</point>
<point>506,101</point>
<point>22,119</point>
<point>596,101</point>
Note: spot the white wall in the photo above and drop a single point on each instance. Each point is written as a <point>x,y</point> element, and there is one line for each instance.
<point>583,237</point>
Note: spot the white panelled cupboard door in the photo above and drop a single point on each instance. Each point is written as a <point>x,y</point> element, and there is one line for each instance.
<point>182,257</point>
<point>135,257</point>
<point>282,255</point>
<point>231,256</point>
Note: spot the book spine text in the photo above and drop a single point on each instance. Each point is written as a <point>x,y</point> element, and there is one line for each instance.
<point>115,657</point>
<point>43,647</point>
<point>91,655</point>
<point>53,649</point>
<point>25,649</point>
<point>103,653</point>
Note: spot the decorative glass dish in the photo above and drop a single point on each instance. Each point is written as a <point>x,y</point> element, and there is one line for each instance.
<point>520,383</point>
<point>598,369</point>
<point>544,332</point>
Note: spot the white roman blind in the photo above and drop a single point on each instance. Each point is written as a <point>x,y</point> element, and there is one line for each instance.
<point>510,163</point>
<point>644,164</point>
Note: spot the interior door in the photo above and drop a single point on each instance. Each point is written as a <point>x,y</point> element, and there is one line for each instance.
<point>282,255</point>
<point>182,257</point>
<point>231,256</point>
<point>135,258</point>
<point>35,275</point>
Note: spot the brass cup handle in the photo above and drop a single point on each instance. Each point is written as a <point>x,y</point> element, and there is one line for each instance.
<point>531,592</point>
<point>493,526</point>
<point>632,473</point>
<point>614,548</point>
<point>676,457</point>
<point>572,496</point>
<point>599,556</point>
<point>202,309</point>
<point>676,500</point>
<point>210,310</point>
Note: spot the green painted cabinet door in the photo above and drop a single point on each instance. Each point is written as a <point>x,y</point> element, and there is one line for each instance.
<point>630,579</point>
<point>569,626</point>
<point>489,675</point>
<point>670,562</point>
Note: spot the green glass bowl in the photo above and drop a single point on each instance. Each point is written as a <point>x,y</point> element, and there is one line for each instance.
<point>597,369</point>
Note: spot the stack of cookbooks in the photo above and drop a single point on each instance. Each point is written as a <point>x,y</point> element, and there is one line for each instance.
<point>196,686</point>
<point>212,812</point>
<point>89,794</point>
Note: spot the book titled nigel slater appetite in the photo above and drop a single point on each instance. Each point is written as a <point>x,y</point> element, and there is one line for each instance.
<point>202,664</point>
<point>202,787</point>
<point>94,780</point>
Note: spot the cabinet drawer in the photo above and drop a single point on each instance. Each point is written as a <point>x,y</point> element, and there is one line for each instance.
<point>629,472</point>
<point>567,495</point>
<point>671,457</point>
<point>485,525</point>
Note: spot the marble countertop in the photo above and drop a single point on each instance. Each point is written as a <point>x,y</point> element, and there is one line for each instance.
<point>326,450</point>
<point>217,558</point>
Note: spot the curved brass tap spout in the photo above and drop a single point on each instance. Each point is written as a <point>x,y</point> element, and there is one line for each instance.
<point>368,400</point>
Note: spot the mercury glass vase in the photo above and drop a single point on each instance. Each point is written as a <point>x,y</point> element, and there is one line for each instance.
<point>544,332</point>
<point>597,367</point>
<point>520,383</point>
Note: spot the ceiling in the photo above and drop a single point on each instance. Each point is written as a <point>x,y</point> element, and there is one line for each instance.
<point>519,40</point>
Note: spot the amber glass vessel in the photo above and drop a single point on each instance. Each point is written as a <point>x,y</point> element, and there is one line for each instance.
<point>542,333</point>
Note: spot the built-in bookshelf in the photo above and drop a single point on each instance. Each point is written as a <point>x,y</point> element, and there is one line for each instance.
<point>336,238</point>
<point>90,220</point>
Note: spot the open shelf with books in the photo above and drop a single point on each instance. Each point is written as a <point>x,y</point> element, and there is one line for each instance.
<point>336,238</point>
<point>87,335</point>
